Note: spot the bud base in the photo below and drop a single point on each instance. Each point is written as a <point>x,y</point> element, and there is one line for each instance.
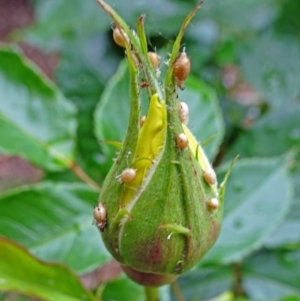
<point>148,279</point>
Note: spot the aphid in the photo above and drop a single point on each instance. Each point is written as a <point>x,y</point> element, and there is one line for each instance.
<point>154,59</point>
<point>182,141</point>
<point>209,176</point>
<point>213,204</point>
<point>119,35</point>
<point>127,175</point>
<point>142,120</point>
<point>144,84</point>
<point>183,110</point>
<point>182,68</point>
<point>100,216</point>
<point>135,59</point>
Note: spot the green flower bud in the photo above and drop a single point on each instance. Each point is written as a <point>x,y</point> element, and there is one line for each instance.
<point>160,221</point>
<point>161,199</point>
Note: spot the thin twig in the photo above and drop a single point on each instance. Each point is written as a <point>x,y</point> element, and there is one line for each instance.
<point>83,176</point>
<point>238,287</point>
<point>177,291</point>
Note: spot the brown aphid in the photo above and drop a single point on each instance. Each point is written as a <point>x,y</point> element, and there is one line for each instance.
<point>182,141</point>
<point>209,176</point>
<point>119,35</point>
<point>213,204</point>
<point>100,216</point>
<point>182,68</point>
<point>183,111</point>
<point>142,120</point>
<point>127,175</point>
<point>154,59</point>
<point>144,84</point>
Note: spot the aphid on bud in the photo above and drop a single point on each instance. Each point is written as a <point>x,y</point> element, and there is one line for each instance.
<point>119,35</point>
<point>100,216</point>
<point>135,59</point>
<point>154,59</point>
<point>127,175</point>
<point>209,176</point>
<point>213,204</point>
<point>142,120</point>
<point>183,110</point>
<point>144,84</point>
<point>182,68</point>
<point>182,141</point>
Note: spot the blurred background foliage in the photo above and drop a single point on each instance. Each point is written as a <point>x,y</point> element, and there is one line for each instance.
<point>246,52</point>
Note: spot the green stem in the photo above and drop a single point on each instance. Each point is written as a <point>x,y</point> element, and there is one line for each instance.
<point>151,293</point>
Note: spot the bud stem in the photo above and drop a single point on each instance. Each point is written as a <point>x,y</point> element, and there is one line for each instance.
<point>151,293</point>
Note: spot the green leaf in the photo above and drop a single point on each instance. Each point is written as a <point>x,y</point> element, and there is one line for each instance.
<point>291,298</point>
<point>123,289</point>
<point>288,21</point>
<point>258,196</point>
<point>21,272</point>
<point>271,64</point>
<point>36,121</point>
<point>82,81</point>
<point>272,276</point>
<point>14,296</point>
<point>279,128</point>
<point>235,17</point>
<point>288,233</point>
<point>54,221</point>
<point>111,124</point>
<point>57,21</point>
<point>205,283</point>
